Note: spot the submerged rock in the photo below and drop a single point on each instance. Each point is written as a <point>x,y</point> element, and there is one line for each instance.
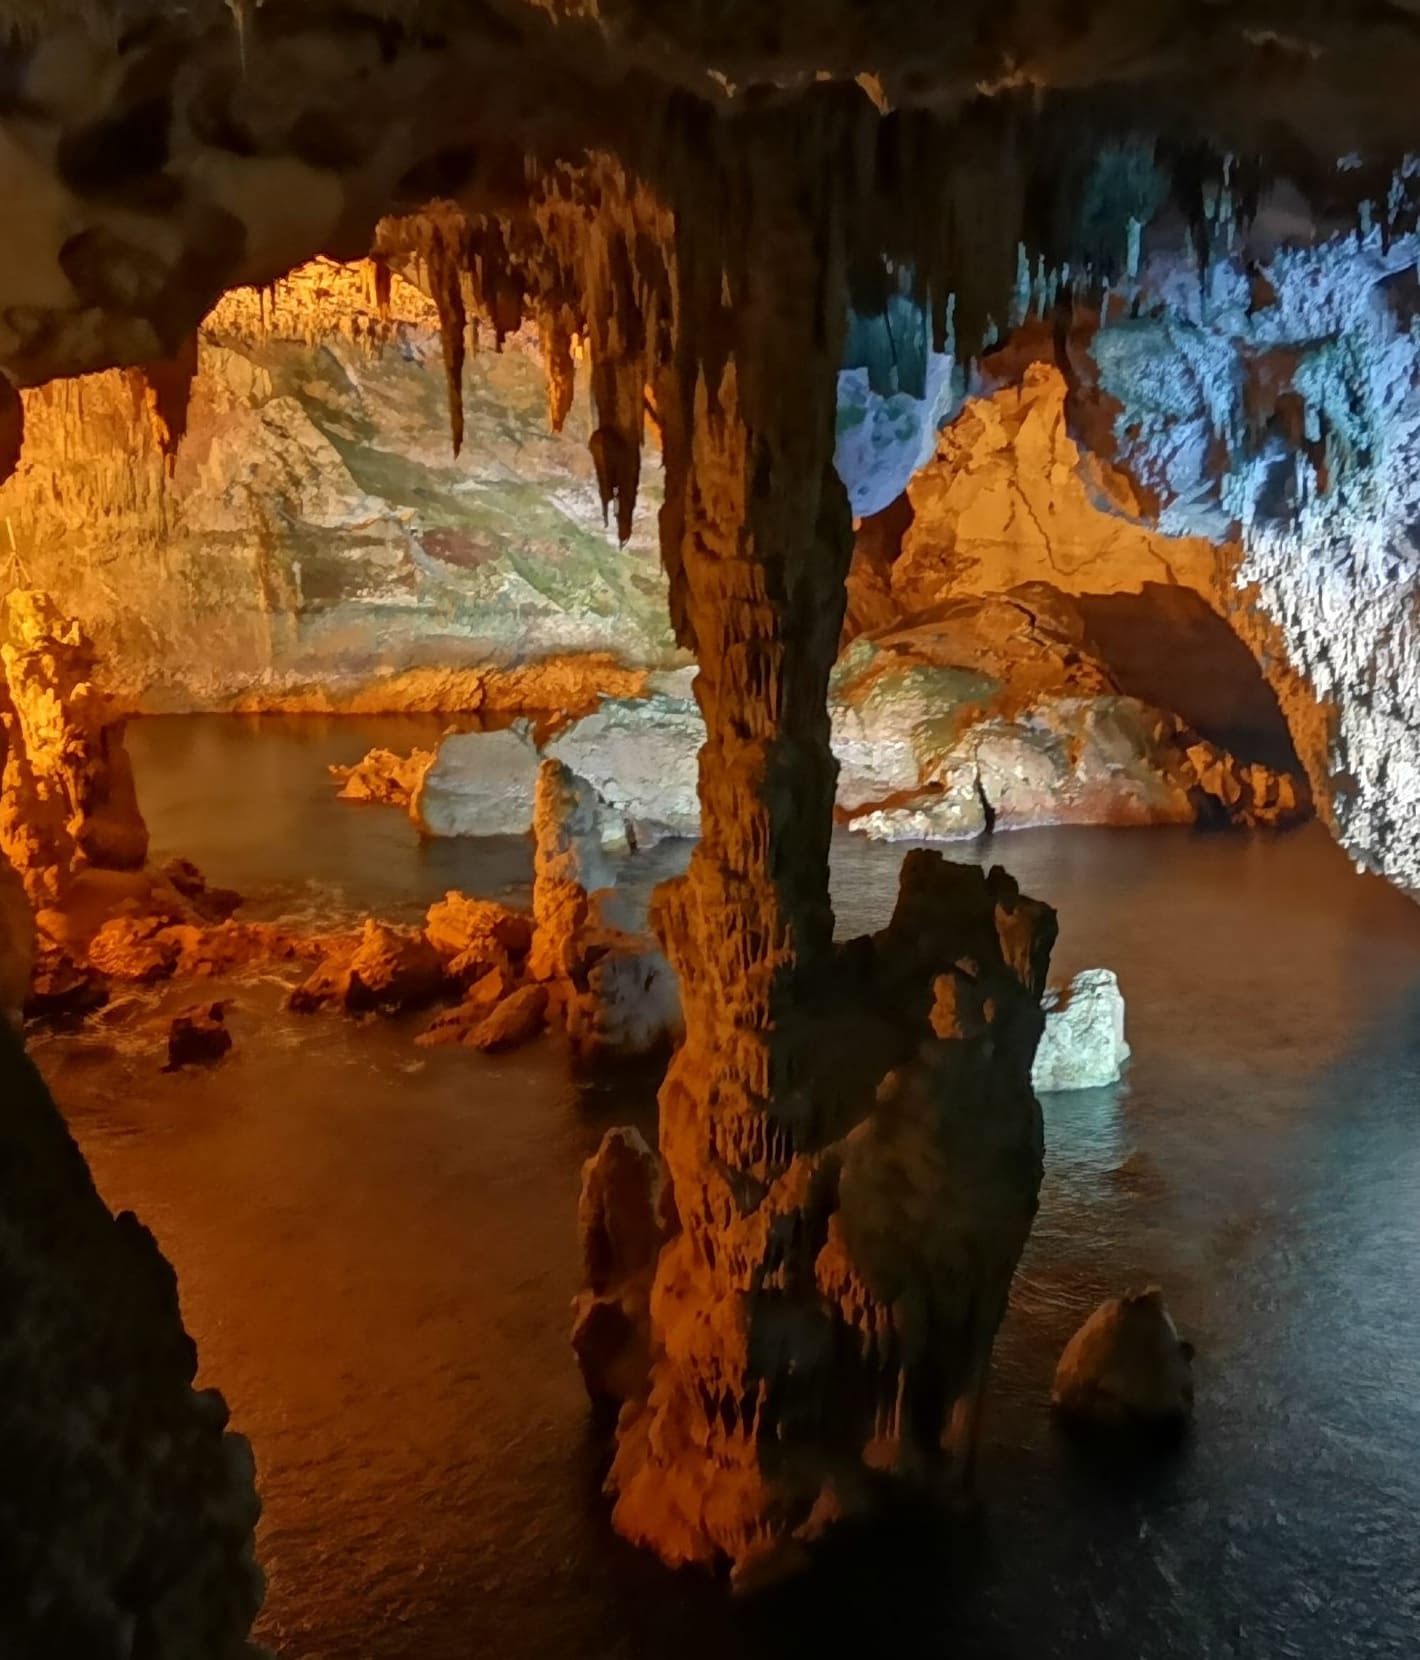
<point>211,904</point>
<point>479,784</point>
<point>198,1037</point>
<point>1126,1365</point>
<point>1083,1045</point>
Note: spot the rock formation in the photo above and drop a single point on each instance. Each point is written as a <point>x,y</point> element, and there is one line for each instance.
<point>479,784</point>
<point>130,1508</point>
<point>198,1036</point>
<point>697,207</point>
<point>612,991</point>
<point>1083,1044</point>
<point>67,800</point>
<point>621,1226</point>
<point>383,777</point>
<point>1126,1366</point>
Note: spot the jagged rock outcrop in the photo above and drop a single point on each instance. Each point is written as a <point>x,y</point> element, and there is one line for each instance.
<point>130,1509</point>
<point>198,1036</point>
<point>1126,1366</point>
<point>389,969</point>
<point>67,800</point>
<point>621,1227</point>
<point>1083,1045</point>
<point>383,777</point>
<point>612,991</point>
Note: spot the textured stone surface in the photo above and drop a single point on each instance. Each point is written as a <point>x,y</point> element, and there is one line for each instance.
<point>513,1022</point>
<point>612,991</point>
<point>129,1511</point>
<point>642,758</point>
<point>316,541</point>
<point>480,784</point>
<point>1083,1044</point>
<point>66,798</point>
<point>198,1036</point>
<point>621,1227</point>
<point>383,777</point>
<point>1125,1366</point>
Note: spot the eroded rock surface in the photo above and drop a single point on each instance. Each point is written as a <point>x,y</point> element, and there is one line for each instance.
<point>612,991</point>
<point>480,784</point>
<point>383,777</point>
<point>1083,1045</point>
<point>66,799</point>
<point>1126,1366</point>
<point>621,1227</point>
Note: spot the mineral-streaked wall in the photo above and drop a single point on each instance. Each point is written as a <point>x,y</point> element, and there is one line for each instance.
<point>314,537</point>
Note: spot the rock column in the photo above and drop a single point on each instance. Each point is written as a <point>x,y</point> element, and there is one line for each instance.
<point>850,1137</point>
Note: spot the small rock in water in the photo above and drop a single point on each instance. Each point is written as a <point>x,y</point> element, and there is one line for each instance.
<point>198,1037</point>
<point>1083,1045</point>
<point>515,1021</point>
<point>1126,1366</point>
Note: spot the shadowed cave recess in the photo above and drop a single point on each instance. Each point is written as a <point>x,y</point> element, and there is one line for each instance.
<point>711,481</point>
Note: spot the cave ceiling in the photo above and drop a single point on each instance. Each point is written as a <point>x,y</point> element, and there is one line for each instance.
<point>154,154</point>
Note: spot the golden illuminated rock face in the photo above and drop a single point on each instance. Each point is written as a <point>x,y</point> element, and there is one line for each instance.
<point>67,801</point>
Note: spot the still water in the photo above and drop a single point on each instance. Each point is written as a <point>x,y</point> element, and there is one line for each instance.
<point>376,1250</point>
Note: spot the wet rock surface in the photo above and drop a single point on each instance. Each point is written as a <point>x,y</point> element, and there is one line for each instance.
<point>621,1227</point>
<point>1083,1045</point>
<point>198,1036</point>
<point>1126,1367</point>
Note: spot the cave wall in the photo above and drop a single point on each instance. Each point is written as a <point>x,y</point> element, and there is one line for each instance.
<point>314,538</point>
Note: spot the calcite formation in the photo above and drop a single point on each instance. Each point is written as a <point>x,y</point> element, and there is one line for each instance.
<point>622,1226</point>
<point>612,990</point>
<point>690,203</point>
<point>67,800</point>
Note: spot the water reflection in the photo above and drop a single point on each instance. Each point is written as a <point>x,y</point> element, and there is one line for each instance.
<point>376,1253</point>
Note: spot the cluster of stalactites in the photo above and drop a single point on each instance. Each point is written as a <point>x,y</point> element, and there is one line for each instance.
<point>590,267</point>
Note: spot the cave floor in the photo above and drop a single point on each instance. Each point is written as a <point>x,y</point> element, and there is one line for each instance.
<point>376,1250</point>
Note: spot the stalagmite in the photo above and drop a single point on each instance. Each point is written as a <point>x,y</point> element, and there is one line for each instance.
<point>843,1129</point>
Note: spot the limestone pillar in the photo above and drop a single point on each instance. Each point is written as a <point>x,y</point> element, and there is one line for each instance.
<point>849,1133</point>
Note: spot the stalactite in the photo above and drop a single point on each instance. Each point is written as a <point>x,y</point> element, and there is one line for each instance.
<point>446,287</point>
<point>162,392</point>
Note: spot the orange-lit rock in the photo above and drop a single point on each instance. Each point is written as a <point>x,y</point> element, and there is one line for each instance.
<point>621,1227</point>
<point>67,798</point>
<point>384,777</point>
<point>511,1023</point>
<point>850,1137</point>
<point>456,1025</point>
<point>198,1036</point>
<point>473,937</point>
<point>389,969</point>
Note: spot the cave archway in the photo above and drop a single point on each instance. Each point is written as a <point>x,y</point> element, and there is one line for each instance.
<point>697,205</point>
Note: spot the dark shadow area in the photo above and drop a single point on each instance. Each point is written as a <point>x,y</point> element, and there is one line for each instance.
<point>1167,646</point>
